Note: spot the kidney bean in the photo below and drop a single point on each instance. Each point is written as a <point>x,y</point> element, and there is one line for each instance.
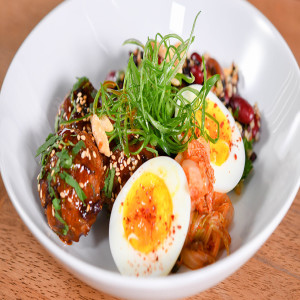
<point>245,113</point>
<point>111,76</point>
<point>253,156</point>
<point>198,74</point>
<point>196,58</point>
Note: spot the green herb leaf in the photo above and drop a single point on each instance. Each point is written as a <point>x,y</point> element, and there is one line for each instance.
<point>109,182</point>
<point>73,183</point>
<point>248,163</point>
<point>248,145</point>
<point>236,113</point>
<point>79,83</point>
<point>51,139</point>
<point>56,204</point>
<point>61,220</point>
<point>65,159</point>
<point>247,169</point>
<point>78,147</point>
<point>134,42</point>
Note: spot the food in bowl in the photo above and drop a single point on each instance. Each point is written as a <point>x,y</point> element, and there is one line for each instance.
<point>118,136</point>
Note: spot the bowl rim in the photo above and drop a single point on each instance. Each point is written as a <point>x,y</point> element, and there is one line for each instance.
<point>109,277</point>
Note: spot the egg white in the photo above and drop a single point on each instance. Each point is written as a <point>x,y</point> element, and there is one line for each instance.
<point>230,172</point>
<point>132,262</point>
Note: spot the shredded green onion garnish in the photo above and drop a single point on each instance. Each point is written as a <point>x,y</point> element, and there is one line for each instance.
<point>73,183</point>
<point>109,182</point>
<point>145,107</point>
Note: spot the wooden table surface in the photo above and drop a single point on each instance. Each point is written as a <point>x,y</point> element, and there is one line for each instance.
<point>28,272</point>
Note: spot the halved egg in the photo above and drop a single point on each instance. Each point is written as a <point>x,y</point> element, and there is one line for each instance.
<point>227,155</point>
<point>150,219</point>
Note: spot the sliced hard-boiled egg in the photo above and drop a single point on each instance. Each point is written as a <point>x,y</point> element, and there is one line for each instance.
<point>150,219</point>
<point>227,155</point>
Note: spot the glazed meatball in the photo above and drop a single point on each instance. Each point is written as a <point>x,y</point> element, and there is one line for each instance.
<point>70,182</point>
<point>77,105</point>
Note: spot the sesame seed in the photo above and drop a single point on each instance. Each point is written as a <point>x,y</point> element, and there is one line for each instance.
<point>117,173</point>
<point>125,164</point>
<point>38,177</point>
<point>65,114</point>
<point>113,157</point>
<point>122,168</point>
<point>52,173</point>
<point>39,187</point>
<point>52,210</point>
<point>115,164</point>
<point>119,160</point>
<point>128,160</point>
<point>110,165</point>
<point>130,168</point>
<point>81,185</point>
<point>41,194</point>
<point>83,138</point>
<point>83,154</point>
<point>119,180</point>
<point>79,109</point>
<point>60,146</point>
<point>78,137</point>
<point>69,199</point>
<point>138,156</point>
<point>52,152</point>
<point>88,208</point>
<point>94,154</point>
<point>79,94</point>
<point>53,164</point>
<point>83,128</point>
<point>62,195</point>
<point>69,108</point>
<point>104,168</point>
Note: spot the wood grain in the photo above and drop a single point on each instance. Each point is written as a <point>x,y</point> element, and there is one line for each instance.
<point>28,272</point>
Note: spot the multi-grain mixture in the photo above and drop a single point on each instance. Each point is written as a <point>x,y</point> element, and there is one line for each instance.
<point>247,117</point>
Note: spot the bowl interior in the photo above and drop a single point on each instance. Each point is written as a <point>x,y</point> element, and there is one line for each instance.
<point>84,38</point>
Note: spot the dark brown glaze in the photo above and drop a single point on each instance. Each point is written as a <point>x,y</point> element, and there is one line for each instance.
<point>125,166</point>
<point>87,170</point>
<point>83,98</point>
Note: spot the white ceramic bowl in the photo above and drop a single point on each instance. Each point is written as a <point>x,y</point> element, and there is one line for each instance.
<point>84,38</point>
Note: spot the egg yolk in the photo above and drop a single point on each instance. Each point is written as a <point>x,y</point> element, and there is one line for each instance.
<point>147,213</point>
<point>219,152</point>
